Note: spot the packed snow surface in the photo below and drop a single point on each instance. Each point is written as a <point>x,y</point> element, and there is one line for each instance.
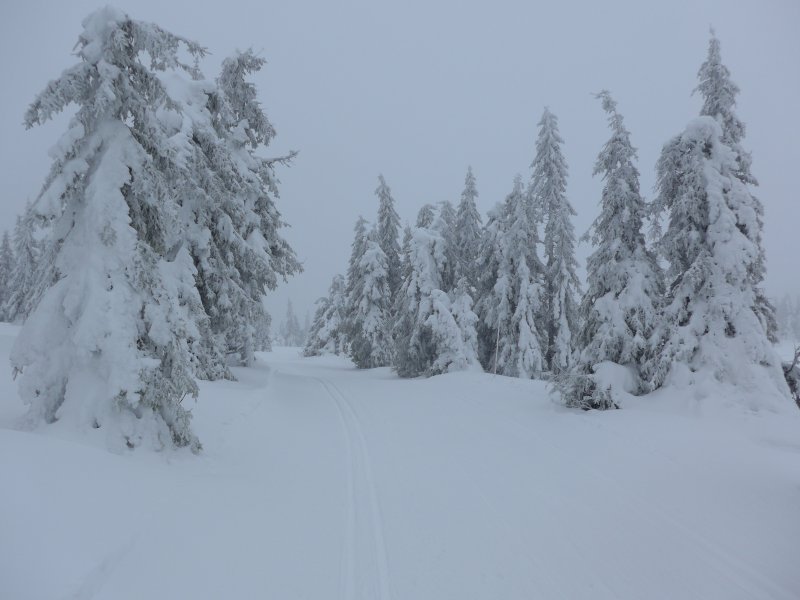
<point>319,481</point>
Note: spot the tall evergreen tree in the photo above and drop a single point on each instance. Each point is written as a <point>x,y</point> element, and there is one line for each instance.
<point>357,249</point>
<point>370,334</point>
<point>434,332</point>
<point>511,300</point>
<point>388,233</point>
<point>620,307</point>
<point>719,101</point>
<point>405,254</point>
<point>445,224</point>
<point>291,332</point>
<point>426,215</point>
<point>26,252</point>
<point>468,232</point>
<point>709,324</point>
<point>233,224</point>
<point>548,193</point>
<point>262,330</point>
<point>326,334</point>
<point>108,346</point>
<point>6,273</point>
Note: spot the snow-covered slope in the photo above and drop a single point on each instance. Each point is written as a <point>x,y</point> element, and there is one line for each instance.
<point>321,481</point>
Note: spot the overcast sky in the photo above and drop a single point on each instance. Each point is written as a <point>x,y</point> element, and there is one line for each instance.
<point>418,90</point>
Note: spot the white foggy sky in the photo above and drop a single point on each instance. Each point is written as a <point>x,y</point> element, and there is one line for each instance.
<point>418,90</point>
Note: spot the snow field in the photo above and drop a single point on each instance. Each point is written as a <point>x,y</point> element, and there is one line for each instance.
<point>321,481</point>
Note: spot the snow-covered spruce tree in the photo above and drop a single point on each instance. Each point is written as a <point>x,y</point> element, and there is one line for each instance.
<point>561,285</point>
<point>316,339</point>
<point>325,334</point>
<point>357,248</point>
<point>445,224</point>
<point>434,332</point>
<point>426,215</point>
<point>709,324</point>
<point>620,308</point>
<point>18,305</point>
<point>233,225</point>
<point>262,330</point>
<point>291,332</point>
<point>108,345</point>
<point>370,333</point>
<point>511,284</point>
<point>488,270</point>
<point>388,233</point>
<point>6,271</point>
<point>405,254</point>
<point>468,232</point>
<point>788,316</point>
<point>719,100</point>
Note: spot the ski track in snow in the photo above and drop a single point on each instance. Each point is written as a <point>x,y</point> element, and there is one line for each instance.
<point>314,471</point>
<point>361,485</point>
<point>95,579</point>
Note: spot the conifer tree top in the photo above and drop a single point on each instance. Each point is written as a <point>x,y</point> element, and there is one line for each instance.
<point>470,192</point>
<point>110,41</point>
<point>719,92</point>
<point>549,166</point>
<point>719,100</point>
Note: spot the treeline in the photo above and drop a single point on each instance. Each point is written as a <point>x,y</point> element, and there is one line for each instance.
<point>144,262</point>
<point>504,295</point>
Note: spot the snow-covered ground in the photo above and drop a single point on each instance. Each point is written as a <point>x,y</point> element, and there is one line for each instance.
<point>319,481</point>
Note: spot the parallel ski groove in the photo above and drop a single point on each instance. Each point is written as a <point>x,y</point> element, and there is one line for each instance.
<point>359,463</point>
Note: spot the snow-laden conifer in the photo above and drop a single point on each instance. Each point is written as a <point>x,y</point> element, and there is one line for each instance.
<point>468,232</point>
<point>549,198</point>
<point>262,330</point>
<point>357,248</point>
<point>719,93</point>
<point>709,324</point>
<point>326,334</point>
<point>433,331</point>
<point>370,343</point>
<point>426,215</point>
<point>405,254</point>
<point>388,233</point>
<point>445,223</point>
<point>6,271</point>
<point>719,101</point>
<point>291,331</point>
<point>510,302</point>
<point>620,307</point>
<point>228,201</point>
<point>19,303</point>
<point>109,345</point>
